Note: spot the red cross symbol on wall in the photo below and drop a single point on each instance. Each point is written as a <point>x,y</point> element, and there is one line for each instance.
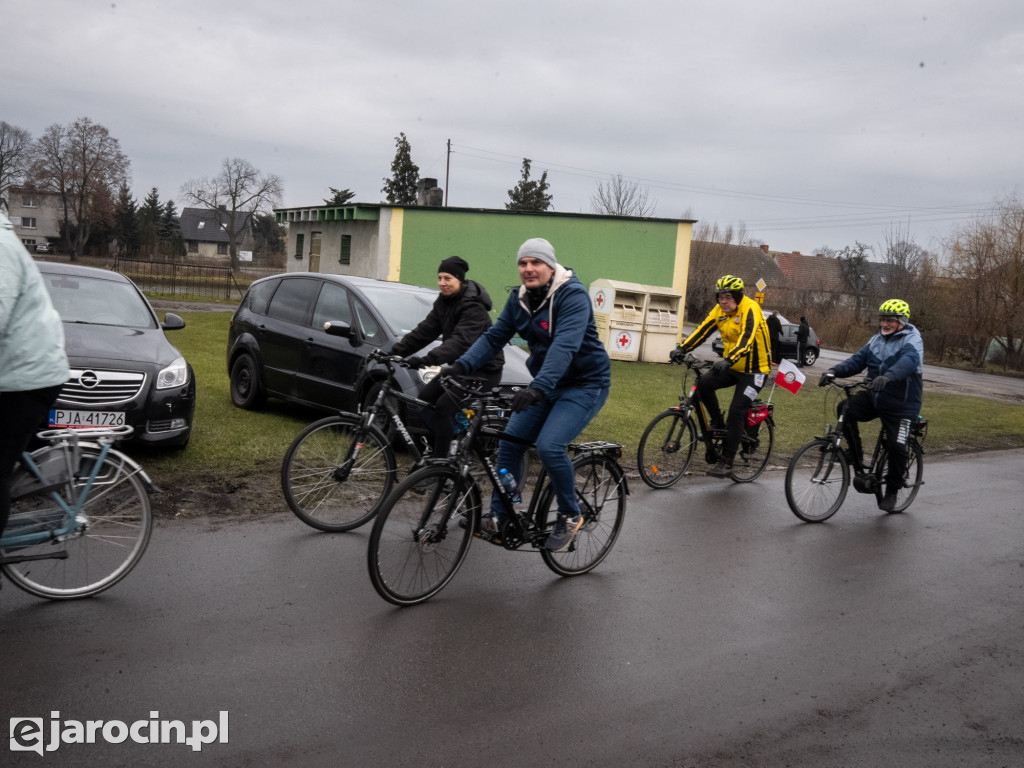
<point>599,300</point>
<point>624,341</point>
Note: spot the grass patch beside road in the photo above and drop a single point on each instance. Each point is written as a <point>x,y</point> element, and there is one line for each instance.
<point>227,441</point>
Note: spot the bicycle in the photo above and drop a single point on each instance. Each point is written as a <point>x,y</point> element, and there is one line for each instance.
<point>669,442</point>
<point>80,515</point>
<point>818,476</point>
<point>423,531</point>
<point>340,468</point>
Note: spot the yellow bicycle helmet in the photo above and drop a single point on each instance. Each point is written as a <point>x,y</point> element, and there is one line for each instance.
<point>728,283</point>
<point>895,308</point>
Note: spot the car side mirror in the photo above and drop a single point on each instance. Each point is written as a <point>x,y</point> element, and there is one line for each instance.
<point>172,322</point>
<point>343,329</point>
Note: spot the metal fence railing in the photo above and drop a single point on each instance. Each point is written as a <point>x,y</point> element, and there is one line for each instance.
<point>191,281</point>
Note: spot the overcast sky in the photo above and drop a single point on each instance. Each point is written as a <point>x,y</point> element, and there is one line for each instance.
<point>812,123</point>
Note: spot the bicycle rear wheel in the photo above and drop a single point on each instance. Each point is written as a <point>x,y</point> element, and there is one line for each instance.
<point>115,523</point>
<point>666,448</point>
<point>418,540</point>
<point>601,494</point>
<point>325,486</point>
<point>754,453</point>
<point>816,481</point>
<point>911,478</point>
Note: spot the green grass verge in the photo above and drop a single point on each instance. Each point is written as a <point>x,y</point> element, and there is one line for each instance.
<point>227,440</point>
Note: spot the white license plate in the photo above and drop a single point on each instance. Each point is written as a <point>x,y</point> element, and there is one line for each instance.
<point>74,419</point>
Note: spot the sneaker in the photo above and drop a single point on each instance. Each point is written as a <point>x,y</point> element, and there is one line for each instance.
<point>722,469</point>
<point>564,533</point>
<point>888,502</point>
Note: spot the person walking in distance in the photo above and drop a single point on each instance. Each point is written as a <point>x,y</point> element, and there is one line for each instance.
<point>803,332</point>
<point>775,334</point>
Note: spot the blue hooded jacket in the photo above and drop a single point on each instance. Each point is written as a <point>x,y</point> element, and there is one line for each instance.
<point>899,357</point>
<point>565,350</point>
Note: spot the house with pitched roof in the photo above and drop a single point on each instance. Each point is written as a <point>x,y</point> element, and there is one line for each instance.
<point>205,232</point>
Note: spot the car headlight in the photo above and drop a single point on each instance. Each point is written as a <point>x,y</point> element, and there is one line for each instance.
<point>429,373</point>
<point>174,375</point>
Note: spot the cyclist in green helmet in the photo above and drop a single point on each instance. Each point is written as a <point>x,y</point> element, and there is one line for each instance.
<point>745,363</point>
<point>894,358</point>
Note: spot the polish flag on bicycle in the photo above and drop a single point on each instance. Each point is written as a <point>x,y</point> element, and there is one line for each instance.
<point>789,376</point>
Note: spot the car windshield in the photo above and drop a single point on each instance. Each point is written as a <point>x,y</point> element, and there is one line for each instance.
<point>81,299</point>
<point>402,309</point>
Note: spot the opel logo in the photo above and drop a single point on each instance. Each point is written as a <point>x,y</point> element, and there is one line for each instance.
<point>89,380</point>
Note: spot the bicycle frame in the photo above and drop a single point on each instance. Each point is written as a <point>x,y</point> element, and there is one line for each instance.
<point>31,528</point>
<point>690,403</point>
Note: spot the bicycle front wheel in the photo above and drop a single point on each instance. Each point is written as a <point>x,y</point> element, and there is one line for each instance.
<point>666,449</point>
<point>816,481</point>
<point>422,534</point>
<point>114,523</point>
<point>336,473</point>
<point>601,495</point>
<point>911,478</point>
<point>754,453</point>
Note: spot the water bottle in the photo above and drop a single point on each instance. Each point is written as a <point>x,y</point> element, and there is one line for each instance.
<point>508,482</point>
<point>461,420</point>
<point>904,432</point>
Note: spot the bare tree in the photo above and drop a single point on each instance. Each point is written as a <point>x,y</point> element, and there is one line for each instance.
<point>15,155</point>
<point>987,262</point>
<point>621,197</point>
<point>84,165</point>
<point>239,193</point>
<point>708,247</point>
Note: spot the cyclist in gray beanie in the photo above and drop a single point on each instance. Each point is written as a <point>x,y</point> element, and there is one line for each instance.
<point>538,248</point>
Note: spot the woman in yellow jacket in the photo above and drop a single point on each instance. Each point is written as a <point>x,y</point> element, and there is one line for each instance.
<point>745,362</point>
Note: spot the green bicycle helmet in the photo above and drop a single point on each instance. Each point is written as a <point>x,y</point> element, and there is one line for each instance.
<point>895,308</point>
<point>728,283</point>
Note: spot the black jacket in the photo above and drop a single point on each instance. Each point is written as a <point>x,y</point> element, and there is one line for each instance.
<point>458,320</point>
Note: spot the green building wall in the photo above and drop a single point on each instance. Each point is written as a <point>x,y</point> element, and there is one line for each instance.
<point>635,250</point>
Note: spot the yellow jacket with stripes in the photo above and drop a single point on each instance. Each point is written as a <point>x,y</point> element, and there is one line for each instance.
<point>744,335</point>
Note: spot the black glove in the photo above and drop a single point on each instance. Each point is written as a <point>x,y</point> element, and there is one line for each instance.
<point>455,369</point>
<point>677,356</point>
<point>416,362</point>
<point>827,378</point>
<point>721,366</point>
<point>878,383</point>
<point>525,399</point>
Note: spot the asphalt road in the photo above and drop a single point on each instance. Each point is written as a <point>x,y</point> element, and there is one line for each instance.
<point>721,631</point>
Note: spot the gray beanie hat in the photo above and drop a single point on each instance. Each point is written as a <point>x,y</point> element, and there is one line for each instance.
<point>538,248</point>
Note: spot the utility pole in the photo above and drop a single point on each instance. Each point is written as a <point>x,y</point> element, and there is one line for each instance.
<point>447,167</point>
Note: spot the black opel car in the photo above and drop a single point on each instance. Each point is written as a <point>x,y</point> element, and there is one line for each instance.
<point>277,345</point>
<point>123,369</point>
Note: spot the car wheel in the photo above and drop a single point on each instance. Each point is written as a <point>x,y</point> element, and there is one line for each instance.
<point>810,355</point>
<point>245,384</point>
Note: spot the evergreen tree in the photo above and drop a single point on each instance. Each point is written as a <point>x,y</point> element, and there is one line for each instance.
<point>529,195</point>
<point>150,213</point>
<point>170,222</point>
<point>126,223</point>
<point>339,196</point>
<point>400,189</point>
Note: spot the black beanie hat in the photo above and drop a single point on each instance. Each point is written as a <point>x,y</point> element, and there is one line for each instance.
<point>454,266</point>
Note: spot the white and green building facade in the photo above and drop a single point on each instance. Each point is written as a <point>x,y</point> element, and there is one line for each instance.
<point>407,243</point>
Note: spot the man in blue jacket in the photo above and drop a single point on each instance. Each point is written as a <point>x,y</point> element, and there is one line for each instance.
<point>894,358</point>
<point>551,311</point>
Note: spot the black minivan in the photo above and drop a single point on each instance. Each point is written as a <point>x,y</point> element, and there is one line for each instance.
<point>277,346</point>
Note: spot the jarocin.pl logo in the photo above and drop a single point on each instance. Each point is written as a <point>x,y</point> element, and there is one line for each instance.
<point>28,734</point>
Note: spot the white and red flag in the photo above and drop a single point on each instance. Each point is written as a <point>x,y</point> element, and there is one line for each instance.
<point>789,376</point>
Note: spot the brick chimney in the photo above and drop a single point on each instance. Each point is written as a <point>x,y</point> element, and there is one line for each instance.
<point>764,247</point>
